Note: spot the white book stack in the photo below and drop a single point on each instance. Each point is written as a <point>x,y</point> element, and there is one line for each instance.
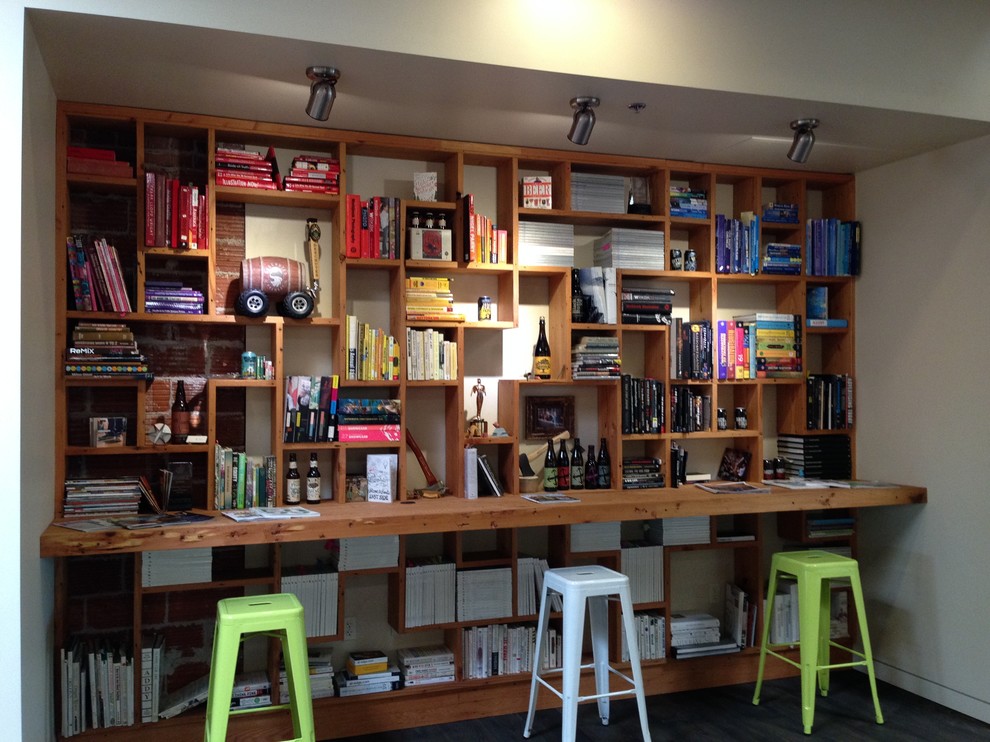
<point>596,536</point>
<point>151,677</point>
<point>320,675</point>
<point>546,244</point>
<point>370,552</point>
<point>643,565</point>
<point>650,633</point>
<point>484,593</point>
<point>693,627</point>
<point>595,192</point>
<point>426,665</point>
<point>178,567</point>
<point>318,595</point>
<point>694,529</point>
<point>630,248</point>
<point>430,594</point>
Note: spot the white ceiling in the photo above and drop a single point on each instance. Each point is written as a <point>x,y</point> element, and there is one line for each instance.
<point>246,75</point>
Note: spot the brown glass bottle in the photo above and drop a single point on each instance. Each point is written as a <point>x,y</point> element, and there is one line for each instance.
<point>541,353</point>
<point>180,414</point>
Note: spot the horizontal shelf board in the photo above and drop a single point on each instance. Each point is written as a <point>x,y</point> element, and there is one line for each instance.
<point>171,252</point>
<point>86,381</point>
<point>690,222</point>
<point>215,585</point>
<point>372,263</point>
<point>101,183</point>
<point>589,218</point>
<point>209,319</point>
<point>717,434</point>
<point>768,278</point>
<point>489,325</point>
<point>433,383</point>
<point>242,383</point>
<point>142,450</point>
<point>505,440</point>
<point>320,201</point>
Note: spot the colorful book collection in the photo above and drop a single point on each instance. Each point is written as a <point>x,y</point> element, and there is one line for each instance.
<point>96,161</point>
<point>105,349</point>
<point>764,345</point>
<point>371,227</point>
<point>833,247</point>
<point>310,408</point>
<point>171,297</point>
<point>369,420</point>
<point>242,481</point>
<point>176,214</point>
<point>737,244</point>
<point>686,201</point>
<point>429,298</point>
<point>484,242</point>
<point>372,354</point>
<point>96,275</point>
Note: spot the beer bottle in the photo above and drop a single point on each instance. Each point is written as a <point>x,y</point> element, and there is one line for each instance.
<point>577,466</point>
<point>180,414</point>
<point>550,469</point>
<point>591,469</point>
<point>604,467</point>
<point>313,481</point>
<point>293,485</point>
<point>541,353</point>
<point>563,468</point>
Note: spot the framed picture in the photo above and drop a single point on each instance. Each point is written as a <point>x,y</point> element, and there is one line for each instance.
<point>549,416</point>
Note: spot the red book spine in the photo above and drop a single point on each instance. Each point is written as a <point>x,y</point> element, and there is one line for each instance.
<point>353,215</point>
<point>176,211</point>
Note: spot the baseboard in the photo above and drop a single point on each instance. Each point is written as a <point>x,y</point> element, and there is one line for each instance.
<point>976,708</point>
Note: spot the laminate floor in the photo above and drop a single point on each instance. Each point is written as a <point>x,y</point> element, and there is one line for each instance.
<point>727,713</point>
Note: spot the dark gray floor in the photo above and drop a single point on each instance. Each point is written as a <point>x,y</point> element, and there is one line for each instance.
<point>846,715</point>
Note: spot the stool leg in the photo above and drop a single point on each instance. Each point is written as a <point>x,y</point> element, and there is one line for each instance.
<point>628,624</point>
<point>767,616</point>
<point>809,595</point>
<point>598,610</point>
<point>294,654</point>
<point>824,636</point>
<point>857,591</point>
<point>226,644</point>
<point>573,635</point>
<point>541,640</point>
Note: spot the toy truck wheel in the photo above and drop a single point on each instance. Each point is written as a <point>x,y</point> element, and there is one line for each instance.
<point>252,303</point>
<point>297,305</point>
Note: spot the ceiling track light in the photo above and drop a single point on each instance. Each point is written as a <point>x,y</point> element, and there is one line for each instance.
<point>322,92</point>
<point>584,119</point>
<point>804,139</point>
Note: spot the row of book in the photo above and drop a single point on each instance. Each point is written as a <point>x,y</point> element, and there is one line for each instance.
<point>97,686</point>
<point>484,242</point>
<point>96,161</point>
<point>430,356</point>
<point>529,587</point>
<point>310,408</point>
<point>737,244</point>
<point>244,168</point>
<point>430,588</point>
<point>760,345</point>
<point>171,297</point>
<point>317,593</point>
<point>642,563</point>
<point>739,617</point>
<point>650,635</point>
<point>641,472</point>
<point>430,298</point>
<point>596,357</point>
<point>691,346</point>
<point>369,552</point>
<point>642,405</point>
<point>96,275</point>
<point>484,594</point>
<point>830,401</point>
<point>498,649</point>
<point>690,410</point>
<point>372,354</point>
<point>176,214</point>
<point>683,531</point>
<point>105,349</point>
<point>177,567</point>
<point>371,227</point>
<point>833,247</point>
<point>243,481</point>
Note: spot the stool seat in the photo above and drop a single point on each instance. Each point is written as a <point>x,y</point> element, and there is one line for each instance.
<point>279,616</point>
<point>580,586</point>
<point>814,570</point>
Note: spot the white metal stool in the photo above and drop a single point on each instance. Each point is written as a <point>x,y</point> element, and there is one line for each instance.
<point>576,585</point>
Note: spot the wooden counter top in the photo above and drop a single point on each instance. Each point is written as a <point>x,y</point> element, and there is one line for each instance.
<point>339,520</point>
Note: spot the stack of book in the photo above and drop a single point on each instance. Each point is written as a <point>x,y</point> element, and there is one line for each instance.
<point>686,201</point>
<point>830,401</point>
<point>780,213</point>
<point>431,299</point>
<point>782,259</point>
<point>251,690</point>
<point>320,660</point>
<point>691,529</point>
<point>311,408</point>
<point>177,567</point>
<point>826,527</point>
<point>426,665</point>
<point>176,214</point>
<point>245,168</point>
<point>650,635</point>
<point>312,174</point>
<point>102,497</point>
<point>595,357</point>
<point>96,275</point>
<point>105,349</point>
<point>492,651</point>
<point>642,563</point>
<point>697,634</point>
<point>318,595</point>
<point>596,536</point>
<point>484,593</point>
<point>546,244</point>
<point>630,248</point>
<point>641,472</point>
<point>368,419</point>
<point>96,161</point>
<point>431,586</point>
<point>372,353</point>
<point>367,672</point>
<point>368,552</point>
<point>152,651</point>
<point>642,406</point>
<point>597,192</point>
<point>646,306</point>
<point>171,297</point>
<point>816,456</point>
<point>764,345</point>
<point>371,227</point>
<point>737,244</point>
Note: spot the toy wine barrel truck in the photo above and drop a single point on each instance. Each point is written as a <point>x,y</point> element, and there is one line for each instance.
<point>282,281</point>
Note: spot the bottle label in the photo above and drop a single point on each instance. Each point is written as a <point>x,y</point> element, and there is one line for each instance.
<point>180,423</point>
<point>550,478</point>
<point>293,490</point>
<point>313,489</point>
<point>541,367</point>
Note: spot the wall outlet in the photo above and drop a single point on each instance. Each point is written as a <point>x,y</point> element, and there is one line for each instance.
<point>350,628</point>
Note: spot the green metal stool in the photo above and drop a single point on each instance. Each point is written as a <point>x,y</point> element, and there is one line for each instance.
<point>814,569</point>
<point>239,618</point>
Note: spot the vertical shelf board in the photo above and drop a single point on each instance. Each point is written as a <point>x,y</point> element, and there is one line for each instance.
<point>509,418</point>
<point>838,196</point>
<point>506,213</point>
<point>453,171</point>
<point>560,174</point>
<point>558,322</point>
<point>610,427</point>
<point>455,427</point>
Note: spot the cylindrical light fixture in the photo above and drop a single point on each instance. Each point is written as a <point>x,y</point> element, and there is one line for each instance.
<point>584,119</point>
<point>804,139</point>
<point>322,92</point>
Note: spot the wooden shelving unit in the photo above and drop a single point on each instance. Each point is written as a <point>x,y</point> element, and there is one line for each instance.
<point>250,411</point>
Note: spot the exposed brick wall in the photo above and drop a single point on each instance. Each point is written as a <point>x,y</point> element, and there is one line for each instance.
<point>229,254</point>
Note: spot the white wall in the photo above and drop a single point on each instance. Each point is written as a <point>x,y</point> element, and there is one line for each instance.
<point>923,352</point>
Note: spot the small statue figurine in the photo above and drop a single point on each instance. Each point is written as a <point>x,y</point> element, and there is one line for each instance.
<point>478,426</point>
